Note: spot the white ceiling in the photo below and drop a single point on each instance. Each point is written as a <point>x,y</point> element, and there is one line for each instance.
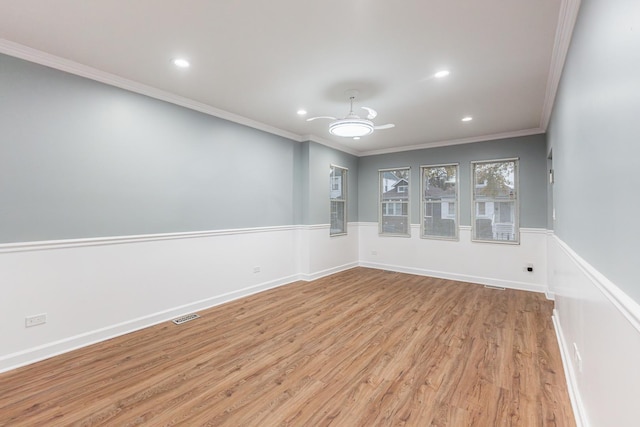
<point>258,62</point>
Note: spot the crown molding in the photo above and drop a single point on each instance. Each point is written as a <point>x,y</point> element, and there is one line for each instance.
<point>330,144</point>
<point>33,55</point>
<point>566,22</point>
<point>564,30</point>
<point>482,138</point>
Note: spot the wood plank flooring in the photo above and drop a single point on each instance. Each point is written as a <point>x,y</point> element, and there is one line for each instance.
<point>359,348</point>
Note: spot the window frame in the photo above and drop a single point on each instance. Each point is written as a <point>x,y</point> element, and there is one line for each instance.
<point>423,202</point>
<point>380,202</point>
<point>516,201</point>
<point>343,200</point>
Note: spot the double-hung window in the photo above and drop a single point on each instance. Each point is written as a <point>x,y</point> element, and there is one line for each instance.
<point>439,207</point>
<point>495,201</point>
<point>393,217</point>
<point>338,200</point>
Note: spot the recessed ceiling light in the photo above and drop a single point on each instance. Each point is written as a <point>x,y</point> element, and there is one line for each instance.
<point>302,112</point>
<point>356,137</point>
<point>467,119</point>
<point>440,74</point>
<point>181,62</point>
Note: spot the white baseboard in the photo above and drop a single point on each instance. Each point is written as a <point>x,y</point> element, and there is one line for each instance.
<point>45,351</point>
<point>598,320</point>
<point>458,277</point>
<point>194,270</point>
<point>327,272</point>
<point>572,385</point>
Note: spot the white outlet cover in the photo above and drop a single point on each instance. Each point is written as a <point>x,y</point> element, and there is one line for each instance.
<point>36,320</point>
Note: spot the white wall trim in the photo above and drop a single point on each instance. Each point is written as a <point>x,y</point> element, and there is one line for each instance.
<point>317,226</point>
<point>543,231</point>
<point>533,230</point>
<point>577,404</point>
<point>627,306</point>
<point>564,30</point>
<point>332,256</point>
<point>39,57</point>
<point>327,272</point>
<point>458,277</point>
<point>446,143</point>
<point>62,64</point>
<point>45,351</point>
<point>330,144</point>
<point>114,240</point>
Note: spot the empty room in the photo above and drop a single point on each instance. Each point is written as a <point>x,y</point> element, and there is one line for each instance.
<point>345,213</point>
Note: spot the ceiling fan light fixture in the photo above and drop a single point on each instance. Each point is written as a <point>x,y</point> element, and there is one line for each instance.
<point>180,63</point>
<point>351,128</point>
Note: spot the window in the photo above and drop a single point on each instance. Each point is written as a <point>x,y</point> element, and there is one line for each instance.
<point>495,201</point>
<point>335,183</point>
<point>439,189</point>
<point>482,208</point>
<point>338,200</point>
<point>393,218</point>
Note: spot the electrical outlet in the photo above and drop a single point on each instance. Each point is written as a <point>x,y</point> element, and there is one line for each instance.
<point>256,269</point>
<point>36,320</point>
<point>374,252</point>
<point>528,268</point>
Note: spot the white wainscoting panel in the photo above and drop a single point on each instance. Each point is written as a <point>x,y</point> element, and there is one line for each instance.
<point>594,317</point>
<point>485,263</point>
<point>95,289</point>
<point>322,254</point>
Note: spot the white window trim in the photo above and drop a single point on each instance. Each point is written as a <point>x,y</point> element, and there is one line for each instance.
<point>516,222</point>
<point>345,196</point>
<point>408,202</point>
<point>457,202</point>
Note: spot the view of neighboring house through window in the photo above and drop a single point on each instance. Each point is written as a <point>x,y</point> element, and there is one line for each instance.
<point>439,210</point>
<point>495,201</point>
<point>394,202</point>
<point>338,200</point>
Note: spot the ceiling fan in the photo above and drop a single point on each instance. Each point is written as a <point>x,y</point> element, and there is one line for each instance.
<point>352,126</point>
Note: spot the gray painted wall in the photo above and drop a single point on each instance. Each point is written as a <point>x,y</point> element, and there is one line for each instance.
<point>595,138</point>
<point>530,149</point>
<point>82,159</point>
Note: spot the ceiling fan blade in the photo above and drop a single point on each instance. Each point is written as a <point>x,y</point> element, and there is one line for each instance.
<point>387,126</point>
<point>372,113</point>
<point>321,117</point>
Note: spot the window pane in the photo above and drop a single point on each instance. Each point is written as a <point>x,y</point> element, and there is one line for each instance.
<point>338,189</point>
<point>494,180</point>
<point>440,201</point>
<point>338,200</point>
<point>337,217</point>
<point>482,208</point>
<point>394,202</point>
<point>495,201</point>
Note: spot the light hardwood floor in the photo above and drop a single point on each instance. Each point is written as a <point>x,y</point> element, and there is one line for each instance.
<point>358,348</point>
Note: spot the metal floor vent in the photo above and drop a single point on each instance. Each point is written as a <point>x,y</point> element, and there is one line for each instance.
<point>497,288</point>
<point>185,318</point>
